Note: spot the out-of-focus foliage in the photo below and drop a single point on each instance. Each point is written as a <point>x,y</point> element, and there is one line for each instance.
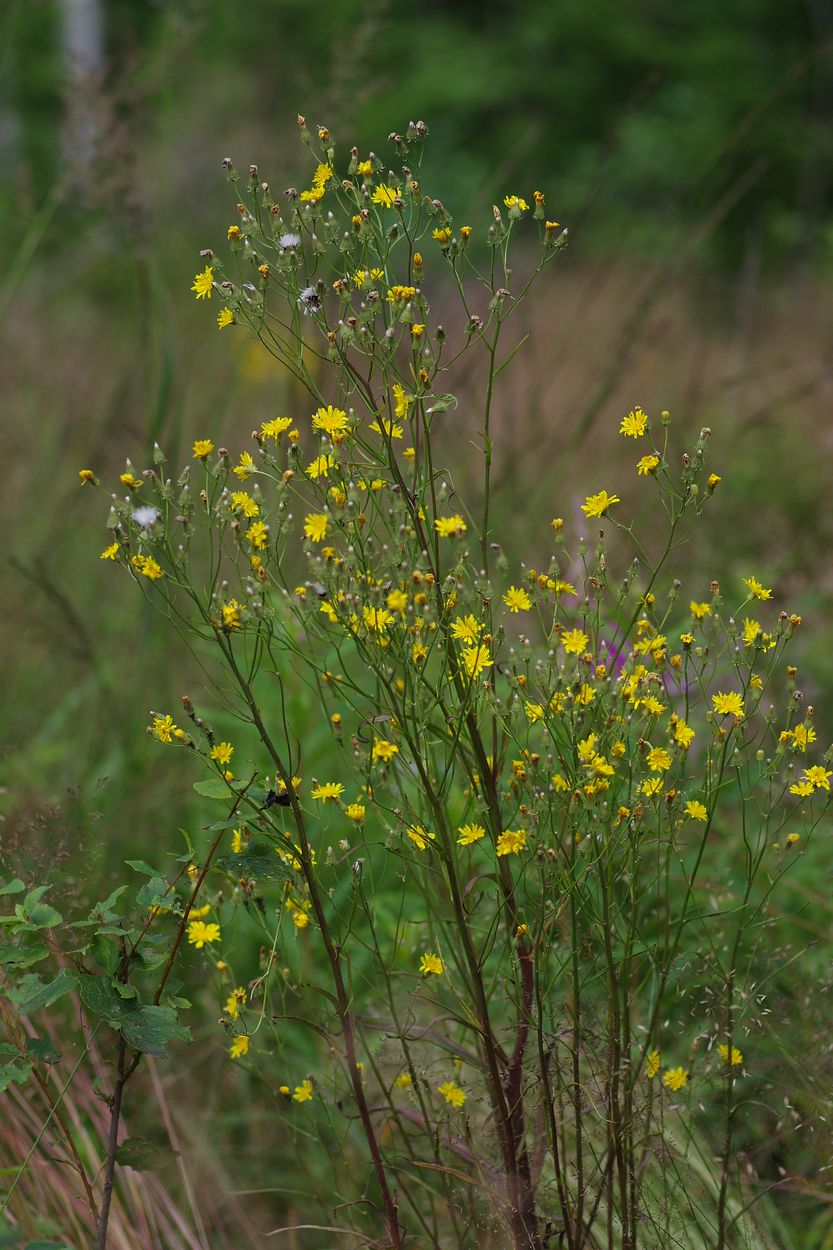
<point>651,115</point>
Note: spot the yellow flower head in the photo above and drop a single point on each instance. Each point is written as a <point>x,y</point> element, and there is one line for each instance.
<point>203,283</point>
<point>203,448</point>
<point>517,600</point>
<point>431,965</point>
<point>470,833</point>
<point>597,505</point>
<point>634,424</point>
<point>315,526</point>
<point>452,1093</point>
<point>385,195</point>
<point>730,704</point>
<point>511,842</point>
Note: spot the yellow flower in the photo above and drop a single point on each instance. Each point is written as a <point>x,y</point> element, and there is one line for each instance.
<point>736,1058</point>
<point>575,641</point>
<point>322,176</point>
<point>320,467</point>
<point>475,659</point>
<point>751,629</point>
<point>401,400</point>
<point>420,837</point>
<point>203,447</point>
<point>245,467</point>
<point>597,505</point>
<point>728,704</point>
<point>658,760</point>
<point>130,480</point>
<point>683,734</point>
<point>442,235</point>
<point>203,283</point>
<point>110,553</point>
<point>397,601</point>
<point>330,790</point>
<point>231,614</point>
<point>235,1000</point>
<point>398,294</point>
<point>200,933</point>
<point>404,1081</point>
<point>634,424</point>
<point>312,196</point>
<point>332,421</point>
<point>675,1079</point>
<point>452,1093</point>
<point>449,526</point>
<point>164,728</point>
<point>147,566</point>
<point>652,787</point>
<point>652,1064</point>
<point>315,526</point>
<point>517,600</point>
<point>365,168</point>
<point>222,752</point>
<point>303,1092</point>
<point>695,810</point>
<point>225,317</point>
<point>818,777</point>
<point>535,712</point>
<point>385,195</point>
<point>647,465</point>
<point>466,629</point>
<point>384,750</point>
<point>802,789</point>
<point>355,812</point>
<point>756,590</point>
<point>87,477</point>
<point>239,1047</point>
<point>241,501</point>
<point>516,202</point>
<point>431,964</point>
<point>511,842</point>
<point>699,610</point>
<point>714,480</point>
<point>257,535</point>
<point>276,427</point>
<point>470,833</point>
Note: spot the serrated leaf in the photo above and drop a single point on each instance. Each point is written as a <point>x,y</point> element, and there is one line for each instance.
<point>106,954</point>
<point>150,1028</point>
<point>99,995</point>
<point>213,788</point>
<point>139,865</point>
<point>30,993</point>
<point>142,1154</point>
<point>22,956</point>
<point>258,861</point>
<point>14,1074</point>
<point>43,916</point>
<point>153,893</point>
<point>42,1049</point>
<point>15,886</point>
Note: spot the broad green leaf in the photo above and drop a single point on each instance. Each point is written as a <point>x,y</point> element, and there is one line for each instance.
<point>139,865</point>
<point>22,956</point>
<point>142,1154</point>
<point>106,954</point>
<point>30,993</point>
<point>258,860</point>
<point>42,1049</point>
<point>152,894</point>
<point>14,1074</point>
<point>149,1029</point>
<point>15,886</point>
<point>100,996</point>
<point>214,788</point>
<point>42,916</point>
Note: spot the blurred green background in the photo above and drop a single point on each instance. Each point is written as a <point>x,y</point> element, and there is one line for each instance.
<point>688,148</point>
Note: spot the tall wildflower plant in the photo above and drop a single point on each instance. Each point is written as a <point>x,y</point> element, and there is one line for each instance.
<point>505,915</point>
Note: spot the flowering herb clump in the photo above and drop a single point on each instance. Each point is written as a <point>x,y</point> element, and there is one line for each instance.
<point>501,886</point>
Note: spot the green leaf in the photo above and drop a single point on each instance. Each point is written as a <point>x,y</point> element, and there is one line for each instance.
<point>153,893</point>
<point>42,1049</point>
<point>14,1074</point>
<point>22,956</point>
<point>100,996</point>
<point>149,1029</point>
<point>42,916</point>
<point>106,954</point>
<point>258,861</point>
<point>15,886</point>
<point>142,1154</point>
<point>139,865</point>
<point>214,788</point>
<point>30,993</point>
